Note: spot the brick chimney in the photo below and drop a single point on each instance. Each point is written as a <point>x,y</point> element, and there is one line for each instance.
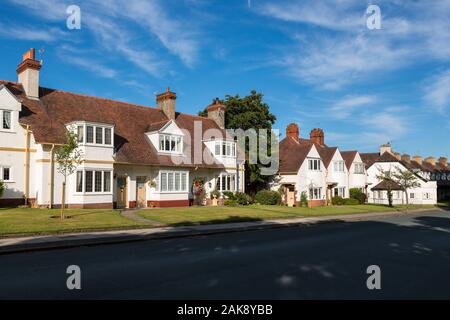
<point>418,159</point>
<point>216,112</point>
<point>293,131</point>
<point>443,161</point>
<point>166,102</point>
<point>398,155</point>
<point>406,158</point>
<point>28,74</point>
<point>317,136</point>
<point>431,160</point>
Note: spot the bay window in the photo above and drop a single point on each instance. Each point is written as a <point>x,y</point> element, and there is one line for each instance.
<point>225,148</point>
<point>172,181</point>
<point>93,181</point>
<point>315,193</point>
<point>226,182</point>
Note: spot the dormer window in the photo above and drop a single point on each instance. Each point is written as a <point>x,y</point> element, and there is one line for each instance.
<point>170,143</point>
<point>6,120</point>
<point>225,149</point>
<point>95,134</point>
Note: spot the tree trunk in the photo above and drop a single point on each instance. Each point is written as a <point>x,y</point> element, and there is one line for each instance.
<point>407,201</point>
<point>63,200</point>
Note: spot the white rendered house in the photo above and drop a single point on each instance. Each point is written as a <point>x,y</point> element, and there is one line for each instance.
<point>133,156</point>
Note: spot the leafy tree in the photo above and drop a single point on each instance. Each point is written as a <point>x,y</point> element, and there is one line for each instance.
<point>388,178</point>
<point>68,157</point>
<point>250,112</point>
<point>2,188</point>
<point>406,179</point>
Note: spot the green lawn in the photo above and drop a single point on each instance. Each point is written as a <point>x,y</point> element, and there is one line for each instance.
<point>209,215</point>
<point>42,221</point>
<point>20,221</point>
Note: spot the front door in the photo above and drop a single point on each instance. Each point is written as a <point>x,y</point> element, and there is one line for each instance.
<point>290,196</point>
<point>141,192</point>
<point>121,193</point>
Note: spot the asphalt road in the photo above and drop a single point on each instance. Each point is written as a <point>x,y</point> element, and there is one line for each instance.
<point>325,261</point>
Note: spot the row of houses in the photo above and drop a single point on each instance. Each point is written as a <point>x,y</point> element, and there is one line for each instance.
<point>140,156</point>
<point>310,167</point>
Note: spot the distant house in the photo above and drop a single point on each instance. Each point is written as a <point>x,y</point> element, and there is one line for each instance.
<point>133,156</point>
<point>387,160</point>
<point>318,171</point>
<point>321,172</point>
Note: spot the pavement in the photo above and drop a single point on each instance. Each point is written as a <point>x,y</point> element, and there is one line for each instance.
<point>313,261</point>
<point>67,240</point>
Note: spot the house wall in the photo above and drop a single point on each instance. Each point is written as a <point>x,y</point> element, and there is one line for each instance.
<point>356,180</point>
<point>307,178</point>
<point>426,188</point>
<point>341,178</point>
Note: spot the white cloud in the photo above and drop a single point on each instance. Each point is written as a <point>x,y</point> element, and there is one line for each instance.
<point>338,49</point>
<point>29,33</point>
<point>93,66</point>
<point>438,91</point>
<point>349,104</point>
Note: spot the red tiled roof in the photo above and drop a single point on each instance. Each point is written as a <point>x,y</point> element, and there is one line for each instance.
<point>55,108</point>
<point>326,153</point>
<point>349,157</point>
<point>383,185</point>
<point>293,154</point>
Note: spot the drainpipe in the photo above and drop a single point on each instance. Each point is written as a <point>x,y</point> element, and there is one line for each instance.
<point>52,174</point>
<point>27,164</point>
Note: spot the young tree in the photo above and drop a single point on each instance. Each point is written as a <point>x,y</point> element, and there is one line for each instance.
<point>2,188</point>
<point>387,177</point>
<point>68,157</point>
<point>406,179</point>
<point>250,112</point>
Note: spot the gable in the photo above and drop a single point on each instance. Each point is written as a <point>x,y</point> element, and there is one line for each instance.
<point>8,100</point>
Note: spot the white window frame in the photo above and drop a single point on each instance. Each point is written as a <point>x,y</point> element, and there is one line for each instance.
<point>227,149</point>
<point>95,127</point>
<point>339,166</point>
<point>84,192</point>
<point>340,192</point>
<point>313,195</point>
<point>2,168</point>
<point>11,116</point>
<point>358,168</point>
<point>178,139</point>
<point>230,180</point>
<point>314,164</point>
<point>183,175</point>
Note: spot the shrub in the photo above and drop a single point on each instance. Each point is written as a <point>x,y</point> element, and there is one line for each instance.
<point>337,201</point>
<point>241,198</point>
<point>351,202</point>
<point>230,203</point>
<point>268,197</point>
<point>357,194</point>
<point>229,195</point>
<point>303,199</point>
<point>2,187</point>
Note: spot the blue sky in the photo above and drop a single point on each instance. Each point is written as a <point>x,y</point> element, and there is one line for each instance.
<point>315,61</point>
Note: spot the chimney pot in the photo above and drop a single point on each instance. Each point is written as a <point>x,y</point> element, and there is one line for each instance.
<point>317,136</point>
<point>406,158</point>
<point>431,160</point>
<point>216,112</point>
<point>166,102</point>
<point>28,74</point>
<point>293,132</point>
<point>418,159</point>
